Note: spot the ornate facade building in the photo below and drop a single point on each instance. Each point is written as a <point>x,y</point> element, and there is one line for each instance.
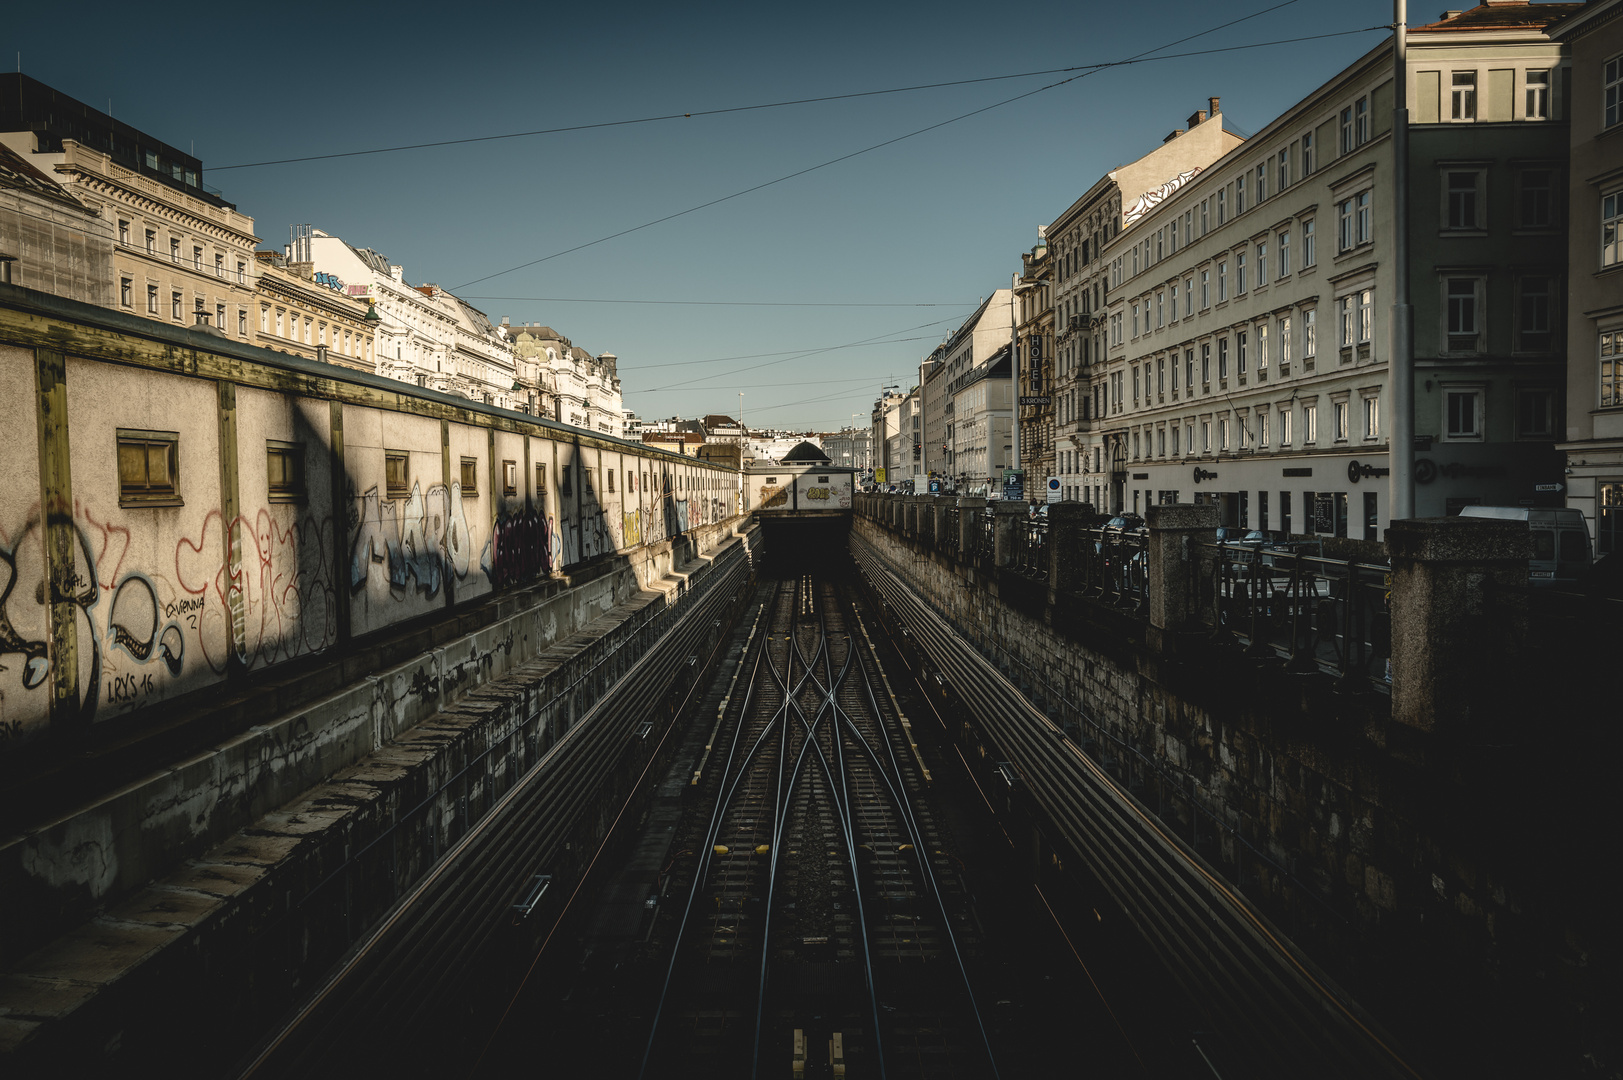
<point>300,312</point>
<point>181,254</point>
<point>569,384</point>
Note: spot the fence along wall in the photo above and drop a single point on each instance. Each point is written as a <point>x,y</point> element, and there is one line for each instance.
<point>178,509</point>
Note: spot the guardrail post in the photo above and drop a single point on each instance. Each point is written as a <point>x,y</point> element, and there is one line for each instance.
<point>1449,653</point>
<point>969,527</point>
<point>1176,533</point>
<point>1065,556</point>
<point>1007,516</point>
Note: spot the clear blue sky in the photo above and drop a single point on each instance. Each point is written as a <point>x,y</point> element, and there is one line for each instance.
<point>937,219</point>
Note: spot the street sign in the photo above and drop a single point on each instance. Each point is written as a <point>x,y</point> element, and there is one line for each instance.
<point>879,475</point>
<point>1014,484</point>
<point>1053,489</point>
<point>1549,487</point>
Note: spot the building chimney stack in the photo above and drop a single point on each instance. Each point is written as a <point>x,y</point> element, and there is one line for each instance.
<point>1215,106</point>
<point>1197,118</point>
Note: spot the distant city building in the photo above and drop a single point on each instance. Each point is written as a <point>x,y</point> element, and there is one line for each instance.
<point>299,311</point>
<point>575,387</point>
<point>181,253</point>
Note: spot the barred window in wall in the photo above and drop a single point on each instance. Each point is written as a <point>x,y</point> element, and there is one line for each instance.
<point>284,471</point>
<point>148,468</point>
<point>1611,369</point>
<point>396,474</point>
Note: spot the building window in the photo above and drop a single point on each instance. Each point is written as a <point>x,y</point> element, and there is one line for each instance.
<point>1160,310</point>
<point>1463,323</point>
<point>1346,130</point>
<point>1239,273</point>
<point>1611,228</point>
<point>1262,350</point>
<point>1308,253</point>
<point>1611,369</point>
<point>510,478</point>
<point>123,231</point>
<point>1464,414</point>
<point>174,306</point>
<point>242,321</point>
<point>1222,359</point>
<point>1464,101</point>
<point>1205,289</point>
<point>1203,216</point>
<point>219,266</point>
<point>219,316</point>
<point>174,250</point>
<point>1285,418</point>
<point>1609,518</point>
<point>148,468</point>
<point>1310,424</point>
<point>1535,204</point>
<point>1222,204</point>
<point>1538,95</point>
<point>264,320</point>
<point>1612,112</point>
<point>1310,334</point>
<point>1135,320</point>
<point>197,258</point>
<point>152,242</point>
<point>1533,314</point>
<point>1372,418</point>
<point>1262,429</point>
<point>152,299</point>
<point>1366,316</point>
<point>1307,154</point>
<point>469,474</point>
<point>1462,199</point>
<point>284,465</point>
<point>1535,414</point>
<point>1188,297</point>
<point>1188,371</point>
<point>1206,365</point>
<point>242,269</point>
<point>1222,281</point>
<point>1242,342</point>
<point>1283,179</point>
<point>1262,262</point>
<point>1262,182</point>
<point>1284,344</point>
<point>126,290</point>
<point>1205,436</point>
<point>1173,305</point>
<point>1353,222</point>
<point>1239,194</point>
<point>396,474</point>
<point>1361,120</point>
<point>1347,309</point>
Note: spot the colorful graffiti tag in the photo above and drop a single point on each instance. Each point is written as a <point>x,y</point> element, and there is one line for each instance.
<point>422,538</point>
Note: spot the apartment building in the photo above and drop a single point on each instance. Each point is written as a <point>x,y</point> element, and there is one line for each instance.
<point>307,313</point>
<point>181,253</point>
<point>1034,356</point>
<point>1593,439</point>
<point>49,240</point>
<point>1249,310</point>
<point>1081,285</point>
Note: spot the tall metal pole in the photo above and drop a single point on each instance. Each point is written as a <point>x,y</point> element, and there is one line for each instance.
<point>1400,382</point>
<point>1014,379</point>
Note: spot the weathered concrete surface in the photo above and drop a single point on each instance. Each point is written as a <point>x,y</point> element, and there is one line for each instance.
<point>95,984</point>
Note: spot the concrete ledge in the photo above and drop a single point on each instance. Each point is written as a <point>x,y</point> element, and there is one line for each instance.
<point>67,868</point>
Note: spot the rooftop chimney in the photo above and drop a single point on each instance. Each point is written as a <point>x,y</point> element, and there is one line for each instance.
<point>1175,133</point>
<point>1197,118</point>
<point>504,321</point>
<point>1215,106</point>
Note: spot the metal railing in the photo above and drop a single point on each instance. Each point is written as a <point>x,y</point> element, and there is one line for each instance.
<point>1031,548</point>
<point>1114,568</point>
<point>950,517</point>
<point>1320,614</point>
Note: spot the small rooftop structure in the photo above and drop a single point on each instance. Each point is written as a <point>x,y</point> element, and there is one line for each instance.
<point>806,452</point>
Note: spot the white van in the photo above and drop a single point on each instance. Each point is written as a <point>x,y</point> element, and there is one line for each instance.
<point>1561,551</point>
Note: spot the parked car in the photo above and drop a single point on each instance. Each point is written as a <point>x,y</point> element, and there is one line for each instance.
<point>1561,551</point>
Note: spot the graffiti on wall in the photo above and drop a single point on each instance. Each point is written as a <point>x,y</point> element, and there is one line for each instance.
<point>146,632</point>
<point>423,538</point>
<point>520,549</point>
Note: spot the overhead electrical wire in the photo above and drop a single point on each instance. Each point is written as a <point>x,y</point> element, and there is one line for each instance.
<point>707,303</point>
<point>1140,58</point>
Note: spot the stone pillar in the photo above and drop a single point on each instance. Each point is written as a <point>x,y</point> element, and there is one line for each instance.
<point>938,519</point>
<point>970,512</point>
<point>1176,531</point>
<point>1458,608</point>
<point>1007,516</point>
<point>1065,554</point>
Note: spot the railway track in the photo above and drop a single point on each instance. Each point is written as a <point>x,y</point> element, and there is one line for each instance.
<point>820,912</point>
